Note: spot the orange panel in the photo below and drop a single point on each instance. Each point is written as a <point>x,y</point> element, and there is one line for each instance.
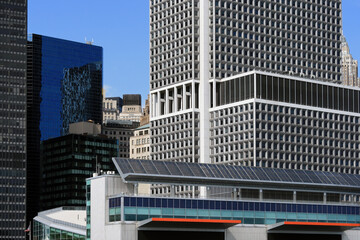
<point>323,224</point>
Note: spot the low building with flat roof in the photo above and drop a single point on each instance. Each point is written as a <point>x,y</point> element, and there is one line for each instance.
<point>240,203</point>
<point>60,223</point>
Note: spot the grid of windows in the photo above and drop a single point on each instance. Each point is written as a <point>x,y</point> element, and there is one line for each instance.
<point>67,161</point>
<point>249,212</point>
<point>299,138</point>
<point>13,27</point>
<point>174,41</point>
<point>279,36</point>
<point>232,139</point>
<point>176,138</point>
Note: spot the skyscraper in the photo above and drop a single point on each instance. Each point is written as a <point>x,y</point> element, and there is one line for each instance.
<point>349,66</point>
<point>64,84</point>
<point>195,44</point>
<point>13,18</point>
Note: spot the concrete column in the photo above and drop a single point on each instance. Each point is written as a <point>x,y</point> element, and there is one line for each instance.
<point>136,189</point>
<point>166,101</point>
<point>324,198</point>
<point>122,209</point>
<point>158,102</point>
<point>294,196</point>
<point>204,96</point>
<point>261,194</point>
<point>240,197</point>
<point>234,193</point>
<point>172,191</point>
<point>175,99</point>
<point>184,97</point>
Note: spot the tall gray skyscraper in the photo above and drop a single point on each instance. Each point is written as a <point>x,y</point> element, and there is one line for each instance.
<point>194,44</point>
<point>236,82</point>
<point>13,29</point>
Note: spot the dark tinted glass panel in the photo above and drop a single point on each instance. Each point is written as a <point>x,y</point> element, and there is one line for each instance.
<point>314,94</point>
<point>309,94</point>
<point>242,88</point>
<point>346,99</point>
<point>269,88</point>
<point>236,89</point>
<point>356,101</point>
<point>247,87</point>
<point>331,97</point>
<point>251,86</point>
<point>276,88</point>
<point>227,92</point>
<point>292,91</point>
<point>336,98</point>
<point>263,87</point>
<point>298,92</point>
<point>281,90</point>
<point>303,93</point>
<point>258,86</point>
<point>325,97</point>
<point>320,95</point>
<point>341,99</point>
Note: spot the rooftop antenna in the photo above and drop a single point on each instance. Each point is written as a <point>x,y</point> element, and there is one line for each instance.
<point>89,42</point>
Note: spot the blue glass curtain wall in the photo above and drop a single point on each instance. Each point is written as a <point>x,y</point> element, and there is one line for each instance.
<point>139,208</point>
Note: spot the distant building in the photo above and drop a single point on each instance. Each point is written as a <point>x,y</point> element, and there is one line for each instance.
<point>131,110</point>
<point>349,66</point>
<point>145,119</point>
<point>112,107</point>
<point>64,82</point>
<point>60,223</point>
<point>89,128</point>
<point>65,164</point>
<point>121,131</point>
<point>140,143</point>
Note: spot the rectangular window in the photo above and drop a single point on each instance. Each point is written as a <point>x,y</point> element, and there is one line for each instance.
<point>269,88</point>
<point>276,88</point>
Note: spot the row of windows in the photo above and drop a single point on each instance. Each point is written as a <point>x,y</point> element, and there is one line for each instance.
<point>232,205</point>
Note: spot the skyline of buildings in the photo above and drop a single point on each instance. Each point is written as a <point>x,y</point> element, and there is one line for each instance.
<point>252,83</point>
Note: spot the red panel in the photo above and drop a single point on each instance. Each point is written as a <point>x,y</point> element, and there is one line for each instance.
<point>195,220</point>
<point>323,224</point>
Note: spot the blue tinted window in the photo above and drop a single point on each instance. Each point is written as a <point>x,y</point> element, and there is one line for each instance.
<point>146,202</point>
<point>126,201</point>
<point>139,202</point>
<point>170,203</point>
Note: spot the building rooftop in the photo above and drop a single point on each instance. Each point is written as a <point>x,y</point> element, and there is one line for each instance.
<point>143,127</point>
<point>72,219</point>
<point>228,175</point>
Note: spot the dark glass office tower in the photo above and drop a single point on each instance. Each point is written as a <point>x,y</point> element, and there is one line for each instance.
<point>64,86</point>
<point>66,163</point>
<point>13,31</point>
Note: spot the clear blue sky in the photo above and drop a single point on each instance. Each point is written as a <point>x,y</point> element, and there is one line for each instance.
<point>121,27</point>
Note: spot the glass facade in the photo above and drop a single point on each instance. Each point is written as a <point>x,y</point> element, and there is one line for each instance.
<point>64,80</point>
<point>45,232</point>
<point>13,30</point>
<point>69,83</point>
<point>66,163</point>
<point>306,93</point>
<point>140,208</point>
<point>275,88</point>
